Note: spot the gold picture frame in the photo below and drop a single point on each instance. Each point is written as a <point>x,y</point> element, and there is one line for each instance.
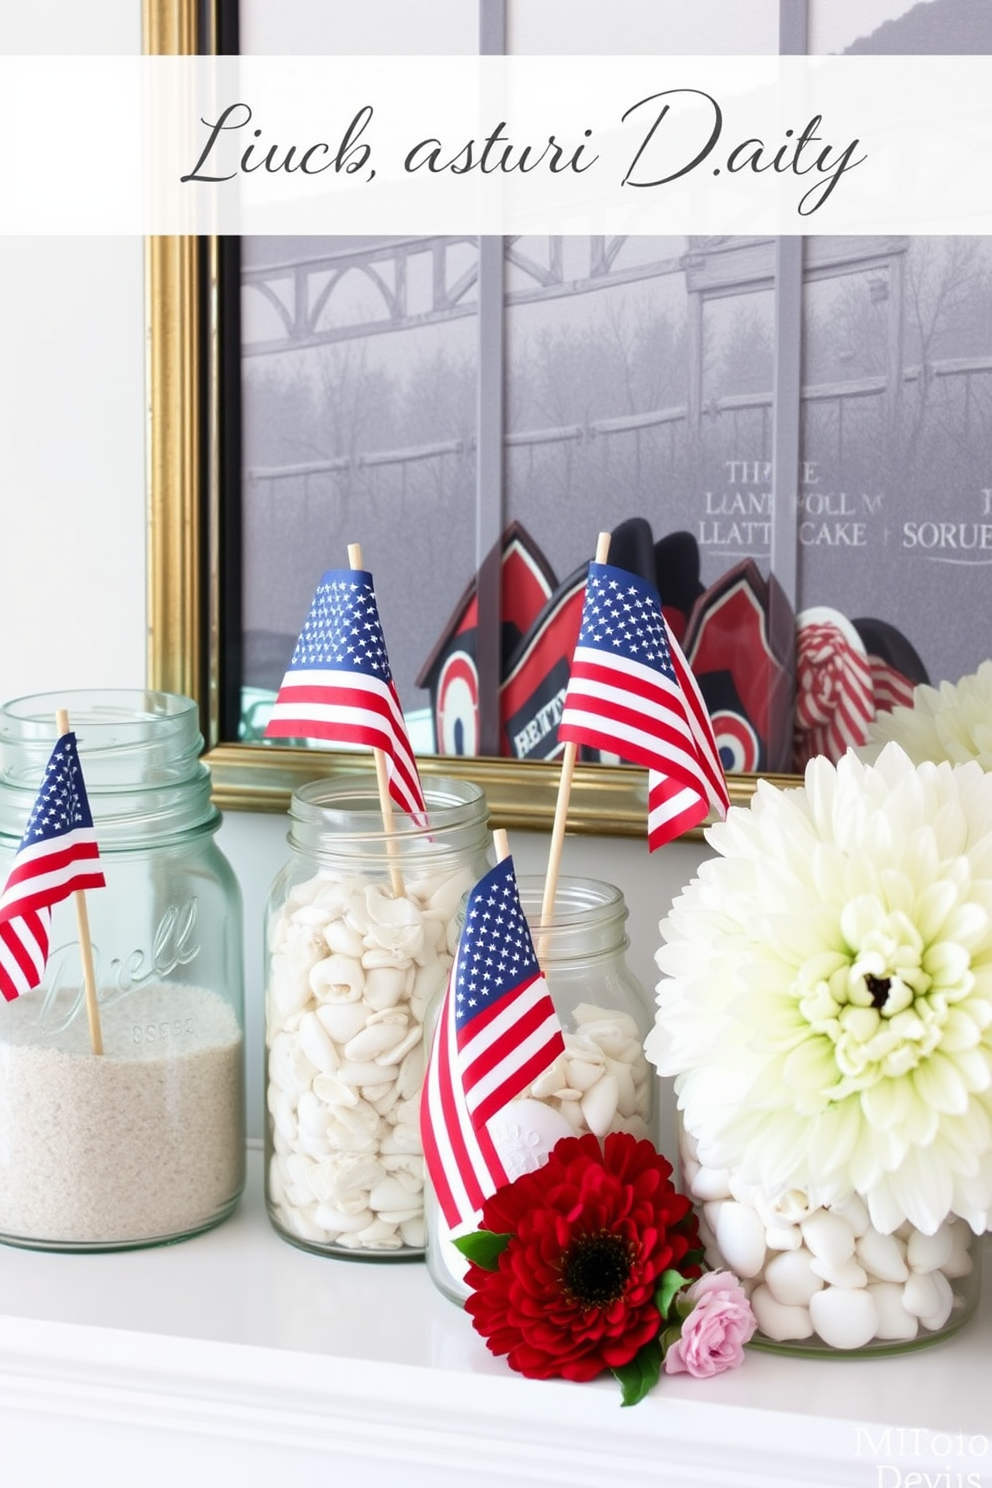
<point>184,551</point>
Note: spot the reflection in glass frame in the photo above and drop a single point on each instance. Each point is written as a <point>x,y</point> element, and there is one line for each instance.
<point>196,555</point>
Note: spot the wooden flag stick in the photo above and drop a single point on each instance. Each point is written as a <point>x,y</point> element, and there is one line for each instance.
<point>564,791</point>
<point>501,843</point>
<point>85,944</point>
<point>382,777</point>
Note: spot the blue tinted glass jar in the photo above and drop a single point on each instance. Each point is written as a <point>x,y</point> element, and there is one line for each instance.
<point>145,1142</point>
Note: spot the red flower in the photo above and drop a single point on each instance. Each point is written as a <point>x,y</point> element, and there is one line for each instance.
<point>592,1231</point>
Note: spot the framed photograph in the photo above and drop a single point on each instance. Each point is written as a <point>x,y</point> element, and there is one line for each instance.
<point>789,436</point>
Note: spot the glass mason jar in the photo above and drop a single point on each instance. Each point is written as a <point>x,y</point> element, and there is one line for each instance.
<point>823,1280</point>
<point>603,1082</point>
<point>144,1143</point>
<point>360,933</point>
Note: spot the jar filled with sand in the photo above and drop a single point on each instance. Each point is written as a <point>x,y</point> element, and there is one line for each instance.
<point>143,1142</point>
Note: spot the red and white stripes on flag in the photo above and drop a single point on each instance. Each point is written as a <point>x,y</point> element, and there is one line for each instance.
<point>496,1032</point>
<point>58,855</point>
<point>338,685</point>
<point>631,692</point>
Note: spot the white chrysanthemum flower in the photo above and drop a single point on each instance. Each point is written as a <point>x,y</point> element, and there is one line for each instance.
<point>827,1006</point>
<point>950,722</point>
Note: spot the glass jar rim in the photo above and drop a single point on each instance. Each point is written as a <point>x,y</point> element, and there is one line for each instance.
<point>347,807</point>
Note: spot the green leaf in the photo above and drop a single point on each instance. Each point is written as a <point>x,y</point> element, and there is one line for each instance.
<point>672,1283</point>
<point>643,1371</point>
<point>483,1247</point>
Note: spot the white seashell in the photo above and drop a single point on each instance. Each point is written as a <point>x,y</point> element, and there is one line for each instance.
<point>342,1020</point>
<point>783,1237</point>
<point>881,1257</point>
<point>790,1278</point>
<point>635,1126</point>
<point>283,1112</point>
<point>375,1039</point>
<point>289,988</point>
<point>599,1105</point>
<point>586,1013</point>
<point>921,1295</point>
<point>411,1072</point>
<point>396,1217</point>
<point>740,1236</point>
<point>626,1094</point>
<point>337,979</point>
<point>779,1320</point>
<point>413,1039</point>
<point>579,1074</point>
<point>844,1318</point>
<point>402,1138</point>
<point>303,1223</point>
<point>317,1045</point>
<point>311,1113</point>
<point>277,1188</point>
<point>854,1213</point>
<point>389,1193</point>
<point>336,1221</point>
<point>710,1183</point>
<point>938,1317</point>
<point>792,1206</point>
<point>360,1072</point>
<point>385,986</point>
<point>385,1102</point>
<point>412,1232</point>
<point>828,1237</point>
<point>334,1092</point>
<point>341,938</point>
<point>380,1236</point>
<point>960,1262</point>
<point>894,1322</point>
<point>930,1252</point>
<point>571,1112</point>
<point>288,1067</point>
<point>847,1274</point>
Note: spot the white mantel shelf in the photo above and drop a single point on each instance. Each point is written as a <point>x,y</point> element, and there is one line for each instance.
<point>235,1359</point>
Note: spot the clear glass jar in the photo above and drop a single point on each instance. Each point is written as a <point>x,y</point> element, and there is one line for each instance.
<point>144,1143</point>
<point>603,1082</point>
<point>354,956</point>
<point>823,1281</point>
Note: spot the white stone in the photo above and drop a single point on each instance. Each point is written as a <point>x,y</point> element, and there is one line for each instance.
<point>828,1237</point>
<point>740,1236</point>
<point>937,1317</point>
<point>524,1132</point>
<point>894,1322</point>
<point>847,1274</point>
<point>790,1277</point>
<point>881,1256</point>
<point>778,1320</point>
<point>921,1295</point>
<point>844,1318</point>
<point>599,1105</point>
<point>930,1252</point>
<point>710,1183</point>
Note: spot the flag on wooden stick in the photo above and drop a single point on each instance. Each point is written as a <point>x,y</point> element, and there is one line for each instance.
<point>339,686</point>
<point>631,692</point>
<point>58,855</point>
<point>496,1032</point>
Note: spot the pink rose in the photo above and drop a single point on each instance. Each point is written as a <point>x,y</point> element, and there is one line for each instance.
<point>715,1331</point>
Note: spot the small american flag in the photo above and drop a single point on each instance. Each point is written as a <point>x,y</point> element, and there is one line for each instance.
<point>496,1032</point>
<point>631,692</point>
<point>58,855</point>
<point>339,685</point>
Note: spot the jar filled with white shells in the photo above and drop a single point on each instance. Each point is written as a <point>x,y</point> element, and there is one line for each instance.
<point>360,932</point>
<point>602,1082</point>
<point>821,1278</point>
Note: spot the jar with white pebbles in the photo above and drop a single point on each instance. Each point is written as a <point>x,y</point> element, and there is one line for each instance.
<point>822,1279</point>
<point>360,933</point>
<point>602,1083</point>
